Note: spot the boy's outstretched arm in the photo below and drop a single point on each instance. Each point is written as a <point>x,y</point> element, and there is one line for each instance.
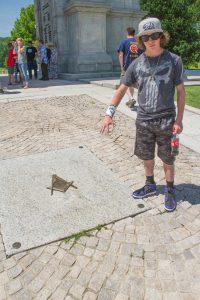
<point>108,119</point>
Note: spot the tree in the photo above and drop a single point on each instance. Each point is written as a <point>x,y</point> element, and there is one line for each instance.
<point>24,26</point>
<point>181,19</point>
<point>3,50</point>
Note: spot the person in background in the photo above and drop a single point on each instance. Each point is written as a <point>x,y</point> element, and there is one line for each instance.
<point>10,62</point>
<point>31,52</point>
<point>158,73</point>
<point>49,56</point>
<point>17,72</point>
<point>43,60</point>
<point>16,66</point>
<point>22,62</point>
<point>53,61</point>
<point>1,87</point>
<point>128,51</point>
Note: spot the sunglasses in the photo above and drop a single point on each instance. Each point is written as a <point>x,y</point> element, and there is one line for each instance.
<point>154,36</point>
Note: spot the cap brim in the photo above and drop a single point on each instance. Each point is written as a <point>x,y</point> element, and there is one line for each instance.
<point>148,32</point>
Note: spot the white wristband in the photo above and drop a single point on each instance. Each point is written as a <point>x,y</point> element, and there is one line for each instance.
<point>111,110</point>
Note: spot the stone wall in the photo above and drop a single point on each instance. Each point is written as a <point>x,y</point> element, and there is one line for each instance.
<point>86,32</point>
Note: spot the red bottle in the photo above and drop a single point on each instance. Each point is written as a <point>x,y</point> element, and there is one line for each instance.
<point>174,144</point>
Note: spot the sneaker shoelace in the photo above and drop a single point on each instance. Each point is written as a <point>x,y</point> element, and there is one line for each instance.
<point>146,188</point>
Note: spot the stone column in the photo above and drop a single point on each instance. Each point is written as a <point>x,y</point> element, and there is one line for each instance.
<point>123,14</point>
<point>38,16</point>
<point>86,34</point>
<point>60,33</point>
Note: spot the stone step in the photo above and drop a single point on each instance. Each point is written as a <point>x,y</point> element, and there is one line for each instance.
<point>193,78</point>
<point>112,83</point>
<point>111,80</point>
<point>70,76</point>
<point>192,72</point>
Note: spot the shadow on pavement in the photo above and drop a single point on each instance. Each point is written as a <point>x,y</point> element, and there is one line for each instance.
<point>36,83</point>
<point>184,192</point>
<point>10,92</point>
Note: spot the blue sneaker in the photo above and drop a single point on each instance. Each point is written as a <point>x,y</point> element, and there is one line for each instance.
<point>170,200</point>
<point>147,190</point>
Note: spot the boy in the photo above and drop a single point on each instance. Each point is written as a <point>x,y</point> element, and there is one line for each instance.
<point>158,72</point>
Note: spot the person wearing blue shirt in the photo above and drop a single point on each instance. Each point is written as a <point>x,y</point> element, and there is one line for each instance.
<point>128,51</point>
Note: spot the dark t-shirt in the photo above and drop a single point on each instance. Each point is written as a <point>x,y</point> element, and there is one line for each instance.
<point>30,53</point>
<point>156,78</point>
<point>130,50</point>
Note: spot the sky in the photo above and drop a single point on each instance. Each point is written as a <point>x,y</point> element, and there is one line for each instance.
<point>9,12</point>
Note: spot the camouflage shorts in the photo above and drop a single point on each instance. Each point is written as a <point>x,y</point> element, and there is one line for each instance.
<point>152,132</point>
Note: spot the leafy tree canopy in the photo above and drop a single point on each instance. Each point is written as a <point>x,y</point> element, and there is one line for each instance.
<point>181,19</point>
<point>3,50</point>
<point>24,26</point>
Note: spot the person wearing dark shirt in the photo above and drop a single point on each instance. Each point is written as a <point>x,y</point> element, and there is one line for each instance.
<point>158,74</point>
<point>31,52</point>
<point>128,51</point>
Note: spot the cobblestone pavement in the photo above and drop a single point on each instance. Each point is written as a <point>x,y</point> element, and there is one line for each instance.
<point>155,255</point>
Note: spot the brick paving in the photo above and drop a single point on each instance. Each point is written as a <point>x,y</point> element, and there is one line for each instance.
<point>152,256</point>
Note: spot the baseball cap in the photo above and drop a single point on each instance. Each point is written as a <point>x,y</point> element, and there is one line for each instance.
<point>149,25</point>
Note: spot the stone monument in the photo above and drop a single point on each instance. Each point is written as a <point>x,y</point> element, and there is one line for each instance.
<point>86,32</point>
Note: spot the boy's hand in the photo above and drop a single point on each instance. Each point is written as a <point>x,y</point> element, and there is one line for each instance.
<point>107,121</point>
<point>178,127</point>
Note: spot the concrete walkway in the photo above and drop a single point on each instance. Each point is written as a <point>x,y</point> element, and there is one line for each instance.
<point>153,256</point>
<point>102,90</point>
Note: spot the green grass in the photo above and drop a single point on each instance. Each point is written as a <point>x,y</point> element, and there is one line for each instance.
<point>194,66</point>
<point>193,96</point>
<point>75,237</point>
<point>3,70</point>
